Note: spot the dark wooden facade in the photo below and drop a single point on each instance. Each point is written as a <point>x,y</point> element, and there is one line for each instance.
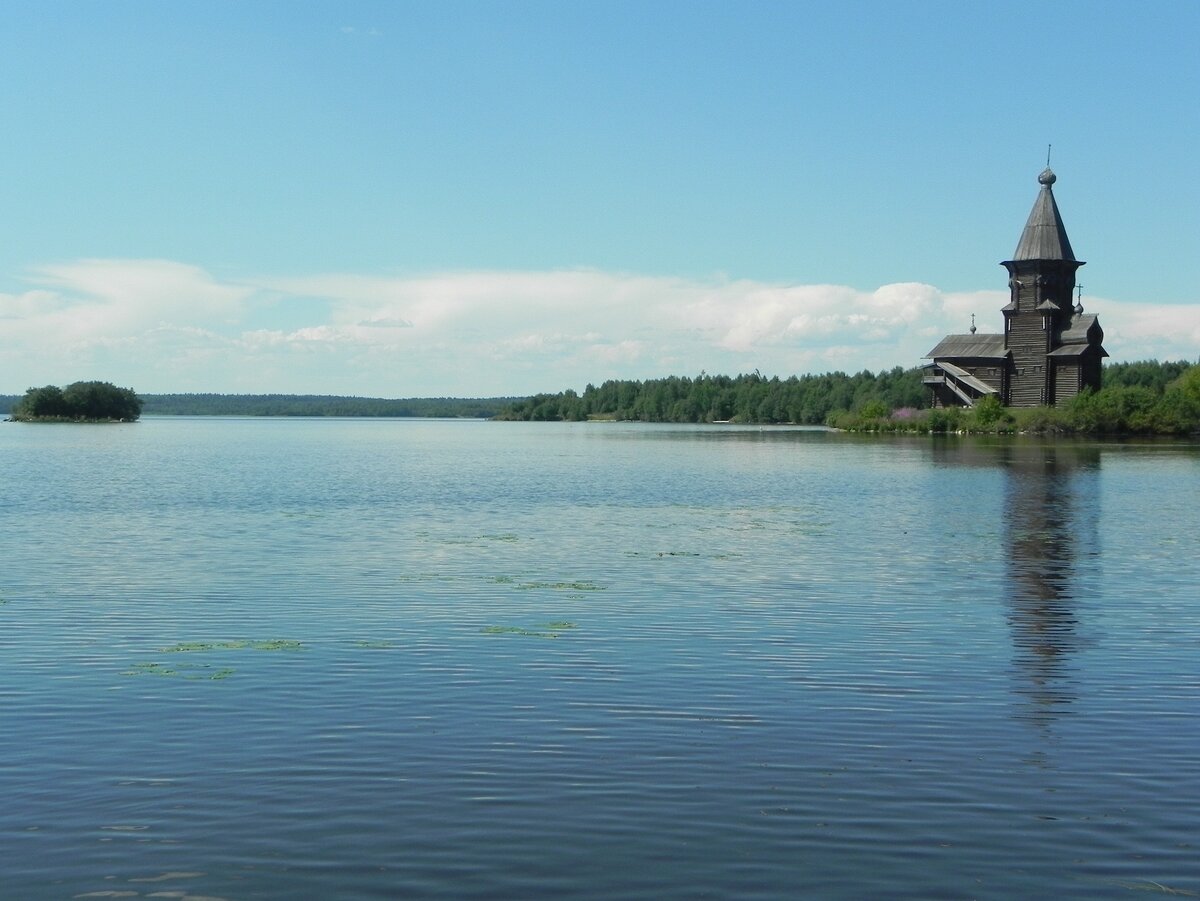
<point>1049,350</point>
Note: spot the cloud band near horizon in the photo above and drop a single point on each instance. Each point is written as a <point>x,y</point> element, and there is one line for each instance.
<point>163,326</point>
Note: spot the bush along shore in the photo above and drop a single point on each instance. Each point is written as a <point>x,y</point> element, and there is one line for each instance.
<point>78,402</point>
<point>1144,398</point>
<point>1148,407</point>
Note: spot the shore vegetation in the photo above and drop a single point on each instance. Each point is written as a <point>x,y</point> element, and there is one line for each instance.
<point>1138,399</point>
<point>1147,398</point>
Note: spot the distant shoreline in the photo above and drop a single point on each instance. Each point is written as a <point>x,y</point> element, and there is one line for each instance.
<point>284,405</point>
<point>1140,398</point>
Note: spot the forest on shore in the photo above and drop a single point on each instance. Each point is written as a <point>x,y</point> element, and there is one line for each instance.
<point>1147,397</point>
<point>752,398</point>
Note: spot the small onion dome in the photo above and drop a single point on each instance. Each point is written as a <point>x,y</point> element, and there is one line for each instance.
<point>1047,177</point>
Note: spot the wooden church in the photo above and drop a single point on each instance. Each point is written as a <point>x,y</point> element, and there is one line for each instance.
<point>1049,350</point>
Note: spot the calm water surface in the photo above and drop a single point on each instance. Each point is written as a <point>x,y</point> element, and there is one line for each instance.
<point>265,659</point>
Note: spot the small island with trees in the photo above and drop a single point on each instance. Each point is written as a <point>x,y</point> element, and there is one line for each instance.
<point>78,402</point>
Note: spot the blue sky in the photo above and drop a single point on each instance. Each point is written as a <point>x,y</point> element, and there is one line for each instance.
<point>446,198</point>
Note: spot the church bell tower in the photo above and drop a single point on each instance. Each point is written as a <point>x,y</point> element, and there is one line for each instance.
<point>1041,281</point>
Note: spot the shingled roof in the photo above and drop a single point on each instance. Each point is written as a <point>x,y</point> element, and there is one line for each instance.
<point>1084,329</point>
<point>1044,237</point>
<point>974,347</point>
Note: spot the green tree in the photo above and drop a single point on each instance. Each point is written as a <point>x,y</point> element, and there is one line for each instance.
<point>41,403</point>
<point>874,409</point>
<point>1178,411</point>
<point>1187,386</point>
<point>1145,373</point>
<point>1120,408</point>
<point>988,411</point>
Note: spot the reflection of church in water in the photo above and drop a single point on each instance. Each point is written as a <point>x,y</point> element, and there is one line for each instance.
<point>1050,350</point>
<point>1050,539</point>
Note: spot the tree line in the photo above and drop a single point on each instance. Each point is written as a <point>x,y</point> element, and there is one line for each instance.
<point>806,399</point>
<point>1147,396</point>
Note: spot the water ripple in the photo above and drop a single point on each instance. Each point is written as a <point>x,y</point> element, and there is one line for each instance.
<point>452,661</point>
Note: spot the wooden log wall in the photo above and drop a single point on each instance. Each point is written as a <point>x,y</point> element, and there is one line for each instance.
<point>1028,342</point>
<point>1066,383</point>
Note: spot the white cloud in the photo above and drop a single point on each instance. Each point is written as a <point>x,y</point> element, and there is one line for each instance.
<point>161,325</point>
<point>29,304</point>
<point>1146,331</point>
<point>172,290</point>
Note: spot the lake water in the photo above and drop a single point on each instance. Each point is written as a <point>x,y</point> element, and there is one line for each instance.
<point>280,659</point>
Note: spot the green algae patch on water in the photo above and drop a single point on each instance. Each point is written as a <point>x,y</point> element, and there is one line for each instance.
<point>559,586</point>
<point>543,630</point>
<point>275,644</point>
<point>206,671</point>
<point>535,585</point>
<point>188,671</point>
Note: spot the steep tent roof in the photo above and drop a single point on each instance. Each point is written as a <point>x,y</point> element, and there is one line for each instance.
<point>1044,237</point>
